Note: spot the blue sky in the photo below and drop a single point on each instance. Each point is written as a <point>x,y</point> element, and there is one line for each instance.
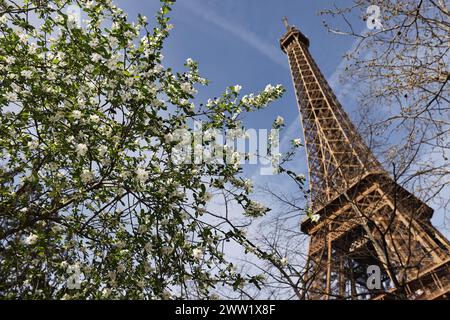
<point>236,42</point>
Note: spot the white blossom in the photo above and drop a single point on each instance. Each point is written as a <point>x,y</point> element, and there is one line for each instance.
<point>90,4</point>
<point>188,88</point>
<point>10,59</point>
<point>297,142</point>
<point>94,118</point>
<point>158,68</point>
<point>102,150</point>
<point>315,217</point>
<point>106,292</point>
<point>235,157</point>
<point>189,61</point>
<point>120,244</point>
<point>81,149</point>
<point>31,239</point>
<point>269,89</point>
<point>276,157</point>
<point>207,197</point>
<point>72,21</point>
<point>3,19</point>
<point>184,102</point>
<point>197,253</point>
<point>27,74</point>
<point>255,209</point>
<point>56,228</point>
<point>142,229</point>
<point>33,144</point>
<point>113,42</point>
<point>141,175</point>
<point>274,138</point>
<point>148,267</point>
<point>94,43</point>
<point>248,185</point>
<point>184,216</point>
<point>95,57</point>
<point>141,283</point>
<point>112,275</point>
<point>166,295</point>
<point>148,247</point>
<point>76,114</point>
<point>11,96</point>
<point>210,103</point>
<point>120,268</point>
<point>87,176</point>
<point>23,37</point>
<point>59,18</point>
<point>166,250</point>
<point>279,121</point>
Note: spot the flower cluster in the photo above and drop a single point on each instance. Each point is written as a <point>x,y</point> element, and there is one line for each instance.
<point>255,209</point>
<point>268,95</point>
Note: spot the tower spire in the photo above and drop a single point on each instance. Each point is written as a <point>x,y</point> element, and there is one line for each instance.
<point>286,23</point>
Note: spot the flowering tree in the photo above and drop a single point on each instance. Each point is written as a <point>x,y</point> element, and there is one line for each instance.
<point>94,200</point>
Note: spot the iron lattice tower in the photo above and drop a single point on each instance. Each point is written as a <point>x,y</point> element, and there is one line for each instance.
<point>366,218</point>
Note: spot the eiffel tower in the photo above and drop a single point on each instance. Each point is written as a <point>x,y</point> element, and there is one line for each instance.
<point>374,239</point>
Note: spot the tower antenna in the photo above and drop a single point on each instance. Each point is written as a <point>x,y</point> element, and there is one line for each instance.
<point>286,23</point>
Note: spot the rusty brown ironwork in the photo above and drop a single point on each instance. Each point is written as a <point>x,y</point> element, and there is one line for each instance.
<point>366,218</point>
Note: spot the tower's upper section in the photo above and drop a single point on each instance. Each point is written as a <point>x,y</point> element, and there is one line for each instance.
<point>337,155</point>
<point>291,34</point>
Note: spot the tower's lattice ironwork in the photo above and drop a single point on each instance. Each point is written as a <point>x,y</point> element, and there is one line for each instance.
<point>366,218</point>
